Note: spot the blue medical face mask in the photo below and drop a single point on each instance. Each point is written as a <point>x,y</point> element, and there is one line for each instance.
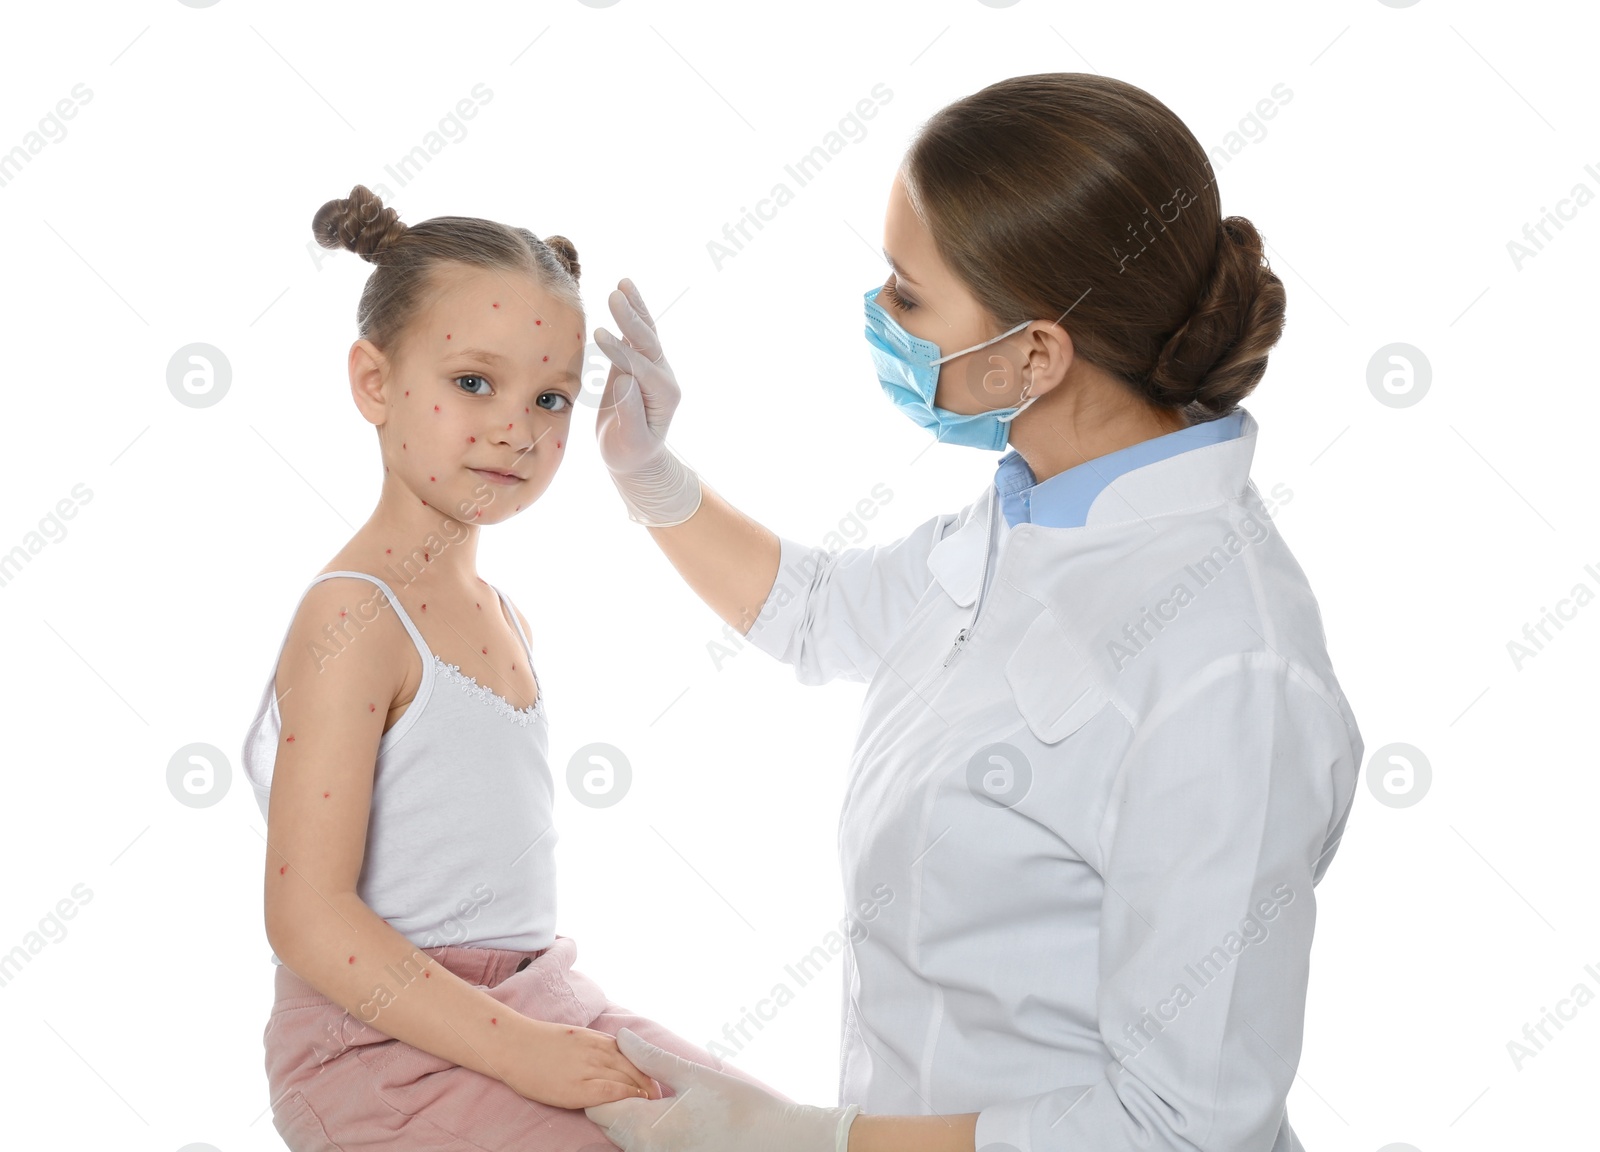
<point>908,369</point>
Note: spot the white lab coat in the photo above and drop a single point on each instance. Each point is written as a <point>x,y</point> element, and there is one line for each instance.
<point>1105,945</point>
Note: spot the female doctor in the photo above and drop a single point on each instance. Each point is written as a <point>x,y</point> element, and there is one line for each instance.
<point>1103,758</point>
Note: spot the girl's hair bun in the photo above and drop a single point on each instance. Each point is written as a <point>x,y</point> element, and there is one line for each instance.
<point>566,252</point>
<point>359,223</point>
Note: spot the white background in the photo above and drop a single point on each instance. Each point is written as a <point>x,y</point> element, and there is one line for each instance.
<point>1417,143</point>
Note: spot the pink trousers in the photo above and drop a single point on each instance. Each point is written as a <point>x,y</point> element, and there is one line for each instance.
<point>339,1083</point>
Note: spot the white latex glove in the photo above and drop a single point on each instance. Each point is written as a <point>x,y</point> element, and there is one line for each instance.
<point>640,396</point>
<point>713,1112</point>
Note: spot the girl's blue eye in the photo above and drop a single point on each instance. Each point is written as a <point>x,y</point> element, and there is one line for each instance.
<point>556,396</point>
<point>470,376</point>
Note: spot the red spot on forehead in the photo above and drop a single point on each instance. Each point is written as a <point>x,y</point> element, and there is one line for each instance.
<point>508,427</point>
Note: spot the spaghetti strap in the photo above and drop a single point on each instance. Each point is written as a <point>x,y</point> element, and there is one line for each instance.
<point>511,611</point>
<point>394,601</point>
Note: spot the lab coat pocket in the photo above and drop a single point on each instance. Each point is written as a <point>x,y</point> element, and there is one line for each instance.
<point>1055,686</point>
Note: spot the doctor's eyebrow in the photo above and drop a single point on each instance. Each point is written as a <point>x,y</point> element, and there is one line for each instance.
<point>898,271</point>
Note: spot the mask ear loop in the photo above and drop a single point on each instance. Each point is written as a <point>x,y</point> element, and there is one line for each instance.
<point>1021,408</point>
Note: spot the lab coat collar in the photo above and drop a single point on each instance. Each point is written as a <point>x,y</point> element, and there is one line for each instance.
<point>1194,479</point>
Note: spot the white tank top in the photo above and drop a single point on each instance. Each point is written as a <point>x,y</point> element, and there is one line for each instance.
<point>460,841</point>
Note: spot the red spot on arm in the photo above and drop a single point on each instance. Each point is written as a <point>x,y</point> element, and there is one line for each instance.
<point>372,707</point>
<point>547,357</point>
<point>435,407</point>
<point>496,304</point>
<point>325,795</point>
<point>283,869</point>
<point>494,1019</point>
<point>432,478</point>
<point>388,551</point>
<point>541,322</point>
<point>290,740</point>
<point>447,335</point>
<point>472,439</point>
<point>352,959</point>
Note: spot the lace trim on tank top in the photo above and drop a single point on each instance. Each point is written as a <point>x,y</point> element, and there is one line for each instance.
<point>522,716</point>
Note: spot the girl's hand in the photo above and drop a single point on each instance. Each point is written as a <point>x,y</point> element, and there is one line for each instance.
<point>640,396</point>
<point>577,1068</point>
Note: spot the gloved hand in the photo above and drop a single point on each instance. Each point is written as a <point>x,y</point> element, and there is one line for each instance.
<point>640,396</point>
<point>713,1112</point>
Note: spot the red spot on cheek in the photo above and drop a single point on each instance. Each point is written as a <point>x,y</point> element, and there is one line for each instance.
<point>425,556</point>
<point>508,427</point>
<point>427,975</point>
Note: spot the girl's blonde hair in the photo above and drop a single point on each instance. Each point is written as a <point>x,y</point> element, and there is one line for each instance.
<point>408,256</point>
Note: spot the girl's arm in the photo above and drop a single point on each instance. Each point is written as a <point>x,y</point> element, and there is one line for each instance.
<point>333,710</point>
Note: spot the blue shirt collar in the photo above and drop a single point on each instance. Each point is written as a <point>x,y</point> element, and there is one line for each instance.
<point>1063,500</point>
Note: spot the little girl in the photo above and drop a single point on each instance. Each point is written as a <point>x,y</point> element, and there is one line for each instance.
<point>423,997</point>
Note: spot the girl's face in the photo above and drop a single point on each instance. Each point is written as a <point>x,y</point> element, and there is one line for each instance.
<point>476,409</point>
<point>927,300</point>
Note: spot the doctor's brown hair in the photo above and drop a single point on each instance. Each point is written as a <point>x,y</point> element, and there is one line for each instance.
<point>1076,194</point>
<point>408,256</point>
